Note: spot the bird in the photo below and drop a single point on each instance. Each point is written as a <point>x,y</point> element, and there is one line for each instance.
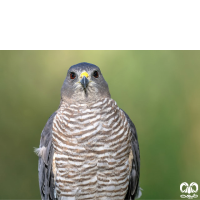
<point>89,147</point>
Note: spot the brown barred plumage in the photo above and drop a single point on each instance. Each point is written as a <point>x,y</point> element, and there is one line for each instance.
<point>92,143</point>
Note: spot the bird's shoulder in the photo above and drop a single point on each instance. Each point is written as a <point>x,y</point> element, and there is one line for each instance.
<point>47,130</point>
<point>131,124</point>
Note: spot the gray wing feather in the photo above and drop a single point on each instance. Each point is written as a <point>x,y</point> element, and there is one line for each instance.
<point>46,177</point>
<point>133,188</point>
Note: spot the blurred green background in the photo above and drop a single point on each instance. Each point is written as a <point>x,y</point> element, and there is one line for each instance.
<point>160,90</point>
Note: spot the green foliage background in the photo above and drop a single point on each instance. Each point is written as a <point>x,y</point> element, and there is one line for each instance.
<point>160,90</point>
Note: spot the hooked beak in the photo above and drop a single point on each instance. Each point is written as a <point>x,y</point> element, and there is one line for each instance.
<point>84,82</point>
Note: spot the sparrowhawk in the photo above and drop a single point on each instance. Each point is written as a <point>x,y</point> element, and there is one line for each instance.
<point>89,147</point>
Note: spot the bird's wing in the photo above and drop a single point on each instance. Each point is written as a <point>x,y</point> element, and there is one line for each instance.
<point>133,188</point>
<point>45,153</point>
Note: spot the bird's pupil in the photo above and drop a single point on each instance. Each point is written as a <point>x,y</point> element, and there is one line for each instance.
<point>96,75</point>
<point>72,75</point>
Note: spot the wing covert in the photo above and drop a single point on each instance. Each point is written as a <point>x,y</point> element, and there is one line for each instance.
<point>133,188</point>
<point>45,153</point>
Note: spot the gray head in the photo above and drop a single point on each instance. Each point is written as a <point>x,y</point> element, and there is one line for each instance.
<point>84,83</point>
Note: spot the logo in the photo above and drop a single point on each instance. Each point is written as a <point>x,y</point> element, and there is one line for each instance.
<point>189,189</point>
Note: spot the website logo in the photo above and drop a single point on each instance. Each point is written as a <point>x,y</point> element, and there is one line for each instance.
<point>189,189</point>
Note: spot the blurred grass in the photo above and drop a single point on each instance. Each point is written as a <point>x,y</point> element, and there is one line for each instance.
<point>160,90</point>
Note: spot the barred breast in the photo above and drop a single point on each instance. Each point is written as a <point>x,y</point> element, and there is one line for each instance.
<point>91,151</point>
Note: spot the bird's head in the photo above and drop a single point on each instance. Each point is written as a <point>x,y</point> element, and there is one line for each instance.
<point>84,83</point>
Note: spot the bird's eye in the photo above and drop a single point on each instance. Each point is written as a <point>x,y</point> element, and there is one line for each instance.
<point>96,74</point>
<point>72,75</point>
